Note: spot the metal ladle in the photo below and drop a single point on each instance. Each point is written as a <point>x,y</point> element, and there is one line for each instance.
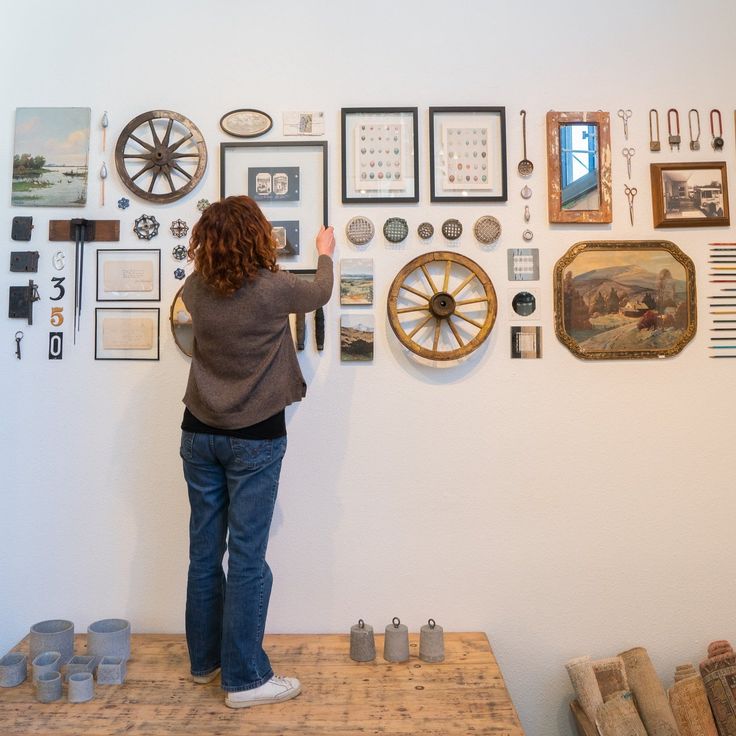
<point>525,165</point>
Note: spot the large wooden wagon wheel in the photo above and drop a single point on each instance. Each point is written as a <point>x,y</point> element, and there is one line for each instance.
<point>161,156</point>
<point>442,305</point>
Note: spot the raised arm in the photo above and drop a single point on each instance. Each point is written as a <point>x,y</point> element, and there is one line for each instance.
<point>306,296</point>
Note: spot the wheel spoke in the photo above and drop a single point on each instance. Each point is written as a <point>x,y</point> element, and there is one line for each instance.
<point>156,139</point>
<point>153,181</point>
<point>147,167</point>
<point>467,319</point>
<point>167,136</point>
<point>419,326</point>
<point>446,281</point>
<point>176,145</point>
<point>167,174</point>
<point>184,155</point>
<point>464,284</point>
<point>429,279</point>
<point>180,170</point>
<point>455,332</point>
<point>404,310</point>
<point>414,291</point>
<point>145,156</point>
<point>437,329</point>
<point>145,145</point>
<point>472,301</point>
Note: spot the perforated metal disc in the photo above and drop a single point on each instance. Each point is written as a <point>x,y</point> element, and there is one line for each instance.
<point>452,229</point>
<point>395,229</point>
<point>425,230</point>
<point>359,230</point>
<point>487,229</point>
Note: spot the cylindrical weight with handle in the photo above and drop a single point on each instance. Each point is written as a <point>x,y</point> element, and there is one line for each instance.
<point>396,642</point>
<point>362,643</point>
<point>431,642</point>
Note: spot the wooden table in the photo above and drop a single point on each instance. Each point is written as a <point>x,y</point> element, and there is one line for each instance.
<point>465,694</point>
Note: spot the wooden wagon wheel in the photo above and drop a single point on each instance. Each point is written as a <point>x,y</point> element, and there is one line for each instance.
<point>161,156</point>
<point>430,305</point>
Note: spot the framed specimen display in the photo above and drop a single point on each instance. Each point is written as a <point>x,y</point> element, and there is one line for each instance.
<point>128,275</point>
<point>288,180</point>
<point>127,334</point>
<point>467,154</point>
<point>579,167</point>
<point>690,194</point>
<point>625,299</point>
<point>380,154</point>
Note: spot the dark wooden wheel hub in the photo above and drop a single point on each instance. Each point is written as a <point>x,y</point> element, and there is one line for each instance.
<point>442,305</point>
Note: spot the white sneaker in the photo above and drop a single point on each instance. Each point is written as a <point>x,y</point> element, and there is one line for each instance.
<point>276,690</point>
<point>205,679</point>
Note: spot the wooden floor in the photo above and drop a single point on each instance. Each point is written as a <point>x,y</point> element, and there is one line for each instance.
<point>464,695</point>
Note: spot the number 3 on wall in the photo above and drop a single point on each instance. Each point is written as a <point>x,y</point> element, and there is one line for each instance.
<point>57,318</point>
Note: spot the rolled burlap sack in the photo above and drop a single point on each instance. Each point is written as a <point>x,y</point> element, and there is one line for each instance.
<point>651,699</point>
<point>582,677</point>
<point>689,703</point>
<point>719,679</point>
<point>618,716</point>
<point>611,676</point>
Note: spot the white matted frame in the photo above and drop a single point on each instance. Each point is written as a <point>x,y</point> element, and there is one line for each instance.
<point>380,154</point>
<point>127,333</point>
<point>128,275</point>
<point>467,154</point>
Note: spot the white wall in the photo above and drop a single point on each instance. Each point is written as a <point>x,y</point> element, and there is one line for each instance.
<point>563,507</point>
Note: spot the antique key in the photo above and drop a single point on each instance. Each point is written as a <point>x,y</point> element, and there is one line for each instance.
<point>18,338</point>
<point>625,115</point>
<point>654,144</point>
<point>717,141</point>
<point>673,139</point>
<point>694,142</point>
<point>628,153</point>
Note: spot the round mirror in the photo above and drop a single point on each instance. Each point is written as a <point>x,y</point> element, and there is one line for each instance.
<point>524,303</point>
<point>181,325</point>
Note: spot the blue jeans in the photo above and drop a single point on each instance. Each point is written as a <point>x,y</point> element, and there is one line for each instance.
<point>232,492</point>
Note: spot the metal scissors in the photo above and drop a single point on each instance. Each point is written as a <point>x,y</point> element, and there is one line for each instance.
<point>630,193</point>
<point>625,115</point>
<point>628,153</point>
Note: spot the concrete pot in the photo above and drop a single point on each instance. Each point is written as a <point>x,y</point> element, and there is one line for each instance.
<point>13,669</point>
<point>44,663</point>
<point>79,663</point>
<point>54,635</point>
<point>81,687</point>
<point>109,637</point>
<point>48,687</point>
<point>111,671</point>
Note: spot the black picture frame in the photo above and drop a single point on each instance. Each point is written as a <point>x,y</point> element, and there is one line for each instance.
<point>127,353</point>
<point>497,146</point>
<point>350,194</point>
<point>152,254</point>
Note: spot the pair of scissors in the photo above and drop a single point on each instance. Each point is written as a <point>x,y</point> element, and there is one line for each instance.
<point>625,115</point>
<point>628,153</point>
<point>630,193</point>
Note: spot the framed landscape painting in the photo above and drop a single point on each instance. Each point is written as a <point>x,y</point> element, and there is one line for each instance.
<point>625,299</point>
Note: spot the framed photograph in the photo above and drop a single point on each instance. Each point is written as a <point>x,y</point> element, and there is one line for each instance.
<point>356,337</point>
<point>690,194</point>
<point>50,157</point>
<point>526,342</point>
<point>288,180</point>
<point>356,281</point>
<point>132,275</point>
<point>127,333</point>
<point>380,154</point>
<point>625,299</point>
<point>467,154</point>
<point>523,264</point>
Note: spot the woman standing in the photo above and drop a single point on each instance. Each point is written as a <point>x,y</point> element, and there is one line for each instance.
<point>244,372</point>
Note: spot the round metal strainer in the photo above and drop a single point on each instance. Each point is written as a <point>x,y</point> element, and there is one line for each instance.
<point>359,230</point>
<point>487,229</point>
<point>395,229</point>
<point>452,229</point>
<point>425,230</point>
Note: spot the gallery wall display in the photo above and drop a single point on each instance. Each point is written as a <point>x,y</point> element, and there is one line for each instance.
<point>625,299</point>
<point>128,275</point>
<point>693,194</point>
<point>161,156</point>
<point>579,167</point>
<point>50,157</point>
<point>467,154</point>
<point>288,179</point>
<point>126,333</point>
<point>380,154</point>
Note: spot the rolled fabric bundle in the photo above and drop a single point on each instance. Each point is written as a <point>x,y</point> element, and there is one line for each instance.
<point>611,676</point>
<point>689,703</point>
<point>582,677</point>
<point>618,716</point>
<point>651,699</point>
<point>718,671</point>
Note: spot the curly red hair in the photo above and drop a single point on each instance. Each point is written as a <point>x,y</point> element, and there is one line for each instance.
<point>231,242</point>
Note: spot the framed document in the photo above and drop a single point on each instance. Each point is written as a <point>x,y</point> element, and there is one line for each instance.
<point>128,275</point>
<point>127,333</point>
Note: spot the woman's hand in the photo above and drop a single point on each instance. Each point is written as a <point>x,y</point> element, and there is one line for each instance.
<point>326,241</point>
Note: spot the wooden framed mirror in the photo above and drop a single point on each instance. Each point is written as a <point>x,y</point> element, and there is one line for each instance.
<point>579,167</point>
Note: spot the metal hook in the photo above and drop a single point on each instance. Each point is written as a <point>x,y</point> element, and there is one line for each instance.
<point>396,621</point>
<point>432,623</point>
<point>361,623</point>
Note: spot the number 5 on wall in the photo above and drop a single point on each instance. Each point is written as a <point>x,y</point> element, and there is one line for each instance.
<point>57,318</point>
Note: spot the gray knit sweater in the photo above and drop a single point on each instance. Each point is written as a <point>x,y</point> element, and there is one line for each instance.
<point>244,367</point>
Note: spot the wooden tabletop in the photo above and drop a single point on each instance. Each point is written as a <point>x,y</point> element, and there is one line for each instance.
<point>465,694</point>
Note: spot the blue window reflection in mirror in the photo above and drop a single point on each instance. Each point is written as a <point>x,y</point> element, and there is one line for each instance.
<point>579,166</point>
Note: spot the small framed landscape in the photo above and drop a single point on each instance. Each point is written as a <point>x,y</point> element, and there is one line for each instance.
<point>467,154</point>
<point>380,154</point>
<point>690,194</point>
<point>356,281</point>
<point>127,333</point>
<point>128,275</point>
<point>356,337</point>
<point>625,299</point>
